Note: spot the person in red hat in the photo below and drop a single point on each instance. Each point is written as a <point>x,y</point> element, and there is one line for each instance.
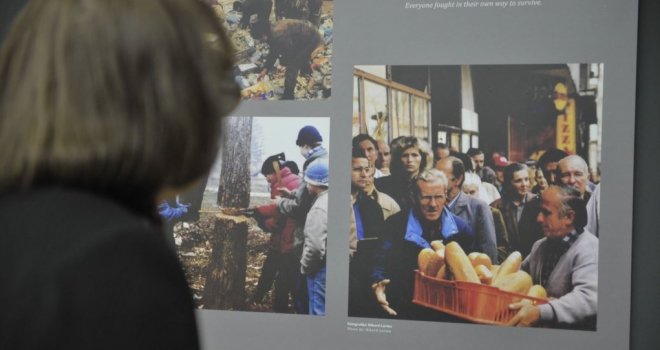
<point>499,163</point>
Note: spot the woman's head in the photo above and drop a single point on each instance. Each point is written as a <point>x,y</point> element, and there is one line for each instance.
<point>541,182</point>
<point>410,156</point>
<point>120,97</point>
<point>516,180</point>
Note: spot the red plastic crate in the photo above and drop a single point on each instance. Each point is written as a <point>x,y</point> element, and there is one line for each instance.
<point>474,302</point>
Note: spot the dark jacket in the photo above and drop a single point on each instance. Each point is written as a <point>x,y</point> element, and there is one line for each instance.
<point>396,187</point>
<point>501,235</point>
<point>523,233</point>
<point>292,41</point>
<point>80,271</point>
<point>397,259</point>
<point>262,8</point>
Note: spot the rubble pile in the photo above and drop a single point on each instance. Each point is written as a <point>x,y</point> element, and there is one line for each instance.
<point>251,55</point>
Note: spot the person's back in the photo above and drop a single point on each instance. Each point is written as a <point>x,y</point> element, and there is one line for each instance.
<point>82,272</point>
<point>106,108</point>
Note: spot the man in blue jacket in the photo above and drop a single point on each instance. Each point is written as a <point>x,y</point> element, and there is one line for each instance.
<point>410,231</point>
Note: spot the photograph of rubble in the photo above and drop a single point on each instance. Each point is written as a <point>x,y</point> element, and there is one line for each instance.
<point>476,194</point>
<point>251,236</point>
<point>283,47</point>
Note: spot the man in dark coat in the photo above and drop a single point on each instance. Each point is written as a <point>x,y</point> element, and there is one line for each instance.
<point>294,43</point>
<point>520,208</point>
<point>408,232</point>
<point>474,211</point>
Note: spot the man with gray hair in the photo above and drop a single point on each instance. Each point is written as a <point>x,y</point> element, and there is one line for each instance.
<point>408,232</point>
<point>573,171</point>
<point>565,263</point>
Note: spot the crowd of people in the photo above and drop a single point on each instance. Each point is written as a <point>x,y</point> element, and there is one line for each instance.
<point>405,195</point>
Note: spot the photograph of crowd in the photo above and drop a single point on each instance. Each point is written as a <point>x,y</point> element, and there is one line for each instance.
<point>252,236</point>
<point>476,194</point>
<point>283,47</point>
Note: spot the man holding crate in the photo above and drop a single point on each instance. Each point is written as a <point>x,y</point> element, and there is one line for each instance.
<point>565,263</point>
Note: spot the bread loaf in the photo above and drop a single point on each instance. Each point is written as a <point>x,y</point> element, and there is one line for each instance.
<point>459,264</point>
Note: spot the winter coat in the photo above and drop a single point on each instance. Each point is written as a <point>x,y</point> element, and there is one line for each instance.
<point>298,206</point>
<point>572,284</point>
<point>281,227</point>
<point>397,258</point>
<point>477,213</point>
<point>292,41</point>
<point>316,235</point>
<point>524,232</point>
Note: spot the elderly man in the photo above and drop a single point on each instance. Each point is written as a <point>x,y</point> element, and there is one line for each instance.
<point>565,263</point>
<point>369,210</point>
<point>472,210</point>
<point>384,158</point>
<point>408,232</point>
<point>573,171</point>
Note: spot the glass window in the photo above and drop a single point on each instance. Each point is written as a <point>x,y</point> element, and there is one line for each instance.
<point>475,141</point>
<point>400,113</point>
<point>469,120</point>
<point>375,110</point>
<point>442,137</point>
<point>455,140</point>
<point>420,117</point>
<point>465,142</point>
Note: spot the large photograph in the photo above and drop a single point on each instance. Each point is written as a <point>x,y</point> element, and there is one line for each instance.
<point>476,194</point>
<point>283,47</point>
<point>252,236</point>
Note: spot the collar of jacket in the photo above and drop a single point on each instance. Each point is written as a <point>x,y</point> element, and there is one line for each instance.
<point>459,202</point>
<point>528,197</point>
<point>414,232</point>
<point>314,153</point>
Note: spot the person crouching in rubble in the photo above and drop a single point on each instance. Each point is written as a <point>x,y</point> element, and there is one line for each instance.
<point>294,42</point>
<point>281,262</point>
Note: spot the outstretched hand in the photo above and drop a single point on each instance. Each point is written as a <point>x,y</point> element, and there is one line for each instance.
<point>528,314</point>
<point>379,292</point>
<point>284,192</point>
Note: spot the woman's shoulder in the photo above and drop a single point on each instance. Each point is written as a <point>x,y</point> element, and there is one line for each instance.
<point>62,247</point>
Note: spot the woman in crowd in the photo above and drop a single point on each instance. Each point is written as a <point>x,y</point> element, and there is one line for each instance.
<point>410,156</point>
<point>541,182</point>
<point>106,109</point>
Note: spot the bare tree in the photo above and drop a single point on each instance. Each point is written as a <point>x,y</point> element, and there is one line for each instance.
<point>225,273</point>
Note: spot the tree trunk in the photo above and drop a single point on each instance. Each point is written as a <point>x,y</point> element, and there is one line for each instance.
<point>225,273</point>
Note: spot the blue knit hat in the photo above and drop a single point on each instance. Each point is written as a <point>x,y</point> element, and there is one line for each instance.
<point>317,172</point>
<point>308,135</point>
